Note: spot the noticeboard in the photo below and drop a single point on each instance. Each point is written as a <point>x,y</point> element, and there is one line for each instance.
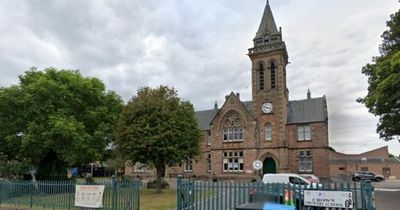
<point>335,199</point>
<point>90,196</point>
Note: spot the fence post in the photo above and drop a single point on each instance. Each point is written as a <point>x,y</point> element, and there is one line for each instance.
<point>369,195</point>
<point>114,192</point>
<point>179,192</point>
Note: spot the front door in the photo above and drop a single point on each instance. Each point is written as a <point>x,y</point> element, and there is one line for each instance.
<point>269,166</point>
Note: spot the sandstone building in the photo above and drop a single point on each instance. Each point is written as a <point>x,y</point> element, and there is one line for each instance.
<point>287,136</point>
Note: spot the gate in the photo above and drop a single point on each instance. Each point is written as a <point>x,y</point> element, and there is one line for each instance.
<point>118,194</point>
<point>204,195</point>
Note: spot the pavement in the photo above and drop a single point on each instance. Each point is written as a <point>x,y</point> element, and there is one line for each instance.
<point>387,195</point>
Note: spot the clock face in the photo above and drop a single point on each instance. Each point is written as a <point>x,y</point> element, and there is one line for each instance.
<point>267,107</point>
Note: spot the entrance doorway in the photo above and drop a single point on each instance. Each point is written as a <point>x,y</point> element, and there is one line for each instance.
<point>269,166</point>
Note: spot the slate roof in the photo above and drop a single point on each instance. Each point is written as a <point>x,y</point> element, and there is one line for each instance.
<point>300,111</point>
<point>204,118</point>
<point>307,111</point>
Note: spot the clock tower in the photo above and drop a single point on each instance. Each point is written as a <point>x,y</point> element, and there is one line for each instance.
<point>269,91</point>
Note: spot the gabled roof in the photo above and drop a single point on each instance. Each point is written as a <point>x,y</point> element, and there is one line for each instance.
<point>301,111</point>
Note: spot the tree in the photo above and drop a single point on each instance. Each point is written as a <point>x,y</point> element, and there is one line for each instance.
<point>383,98</point>
<point>56,119</point>
<point>157,128</point>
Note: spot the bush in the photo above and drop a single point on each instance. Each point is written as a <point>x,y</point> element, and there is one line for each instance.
<point>153,184</point>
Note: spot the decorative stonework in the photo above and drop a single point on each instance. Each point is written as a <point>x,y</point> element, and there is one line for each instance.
<point>232,119</point>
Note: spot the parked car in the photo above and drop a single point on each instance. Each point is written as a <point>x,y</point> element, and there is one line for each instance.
<point>367,175</point>
<point>310,177</point>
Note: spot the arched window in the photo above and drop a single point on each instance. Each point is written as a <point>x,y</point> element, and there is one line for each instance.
<point>232,128</point>
<point>273,75</point>
<point>261,77</point>
<point>268,132</point>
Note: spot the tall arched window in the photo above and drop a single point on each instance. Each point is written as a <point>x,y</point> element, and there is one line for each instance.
<point>268,132</point>
<point>261,77</point>
<point>273,75</point>
<point>232,127</point>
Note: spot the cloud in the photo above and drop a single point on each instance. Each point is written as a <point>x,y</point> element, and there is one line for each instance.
<point>200,47</point>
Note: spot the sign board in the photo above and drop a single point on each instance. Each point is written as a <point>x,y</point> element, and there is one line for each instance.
<point>257,164</point>
<point>335,199</point>
<point>90,196</point>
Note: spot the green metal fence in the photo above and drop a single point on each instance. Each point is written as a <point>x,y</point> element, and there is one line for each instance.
<point>201,195</point>
<point>118,194</point>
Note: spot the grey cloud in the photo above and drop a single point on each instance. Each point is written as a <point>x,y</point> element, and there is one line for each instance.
<point>200,47</point>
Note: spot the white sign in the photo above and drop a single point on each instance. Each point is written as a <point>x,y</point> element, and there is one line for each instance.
<point>335,199</point>
<point>90,196</point>
<point>257,165</point>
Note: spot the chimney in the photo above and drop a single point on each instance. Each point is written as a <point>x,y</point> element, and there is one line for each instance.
<point>308,94</point>
<point>215,106</point>
<point>238,95</point>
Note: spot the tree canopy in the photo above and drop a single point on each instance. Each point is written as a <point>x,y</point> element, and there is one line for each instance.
<point>55,119</point>
<point>383,98</point>
<point>157,128</point>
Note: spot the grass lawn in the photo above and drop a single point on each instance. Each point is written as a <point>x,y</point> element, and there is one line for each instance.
<point>151,200</point>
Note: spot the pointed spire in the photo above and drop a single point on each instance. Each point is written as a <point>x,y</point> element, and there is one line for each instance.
<point>267,25</point>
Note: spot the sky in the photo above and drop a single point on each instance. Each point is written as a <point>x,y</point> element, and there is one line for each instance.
<point>199,47</point>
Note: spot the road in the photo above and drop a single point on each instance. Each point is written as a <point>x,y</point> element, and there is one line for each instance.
<point>387,200</point>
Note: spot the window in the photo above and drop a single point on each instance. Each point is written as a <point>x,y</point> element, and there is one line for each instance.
<point>297,180</point>
<point>209,163</point>
<point>364,168</point>
<point>233,161</point>
<point>139,168</point>
<point>261,77</point>
<point>305,161</point>
<point>273,76</point>
<point>233,130</point>
<point>268,132</point>
<point>188,166</point>
<point>208,138</point>
<point>303,132</point>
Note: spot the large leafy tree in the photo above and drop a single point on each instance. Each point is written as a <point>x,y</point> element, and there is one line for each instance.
<point>55,119</point>
<point>383,98</point>
<point>157,128</point>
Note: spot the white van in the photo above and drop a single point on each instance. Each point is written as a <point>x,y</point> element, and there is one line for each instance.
<point>285,179</point>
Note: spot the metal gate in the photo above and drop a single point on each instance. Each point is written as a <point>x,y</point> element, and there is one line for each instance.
<point>204,195</point>
<point>118,194</point>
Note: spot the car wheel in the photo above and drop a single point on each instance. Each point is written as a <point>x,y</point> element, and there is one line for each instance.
<point>356,179</point>
<point>378,179</point>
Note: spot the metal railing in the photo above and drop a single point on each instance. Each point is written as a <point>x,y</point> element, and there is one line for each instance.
<point>204,195</point>
<point>118,194</point>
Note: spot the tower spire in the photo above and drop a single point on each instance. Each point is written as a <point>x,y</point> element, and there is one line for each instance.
<point>267,25</point>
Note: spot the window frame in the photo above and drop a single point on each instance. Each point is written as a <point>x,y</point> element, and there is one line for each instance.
<point>305,161</point>
<point>209,165</point>
<point>268,130</point>
<point>302,131</point>
<point>233,161</point>
<point>188,166</point>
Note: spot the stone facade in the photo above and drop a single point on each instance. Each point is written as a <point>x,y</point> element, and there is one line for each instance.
<point>270,136</point>
<point>287,136</point>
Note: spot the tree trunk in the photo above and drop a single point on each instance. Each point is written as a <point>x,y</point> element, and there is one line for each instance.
<point>160,174</point>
